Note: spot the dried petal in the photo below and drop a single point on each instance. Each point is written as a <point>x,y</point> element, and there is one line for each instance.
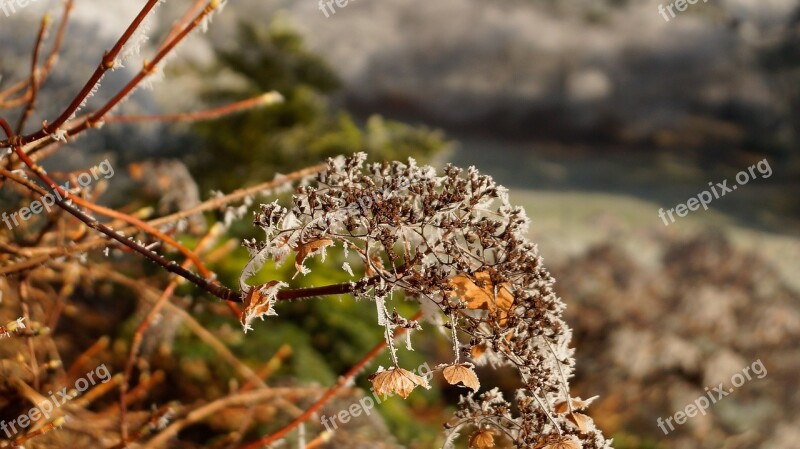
<point>463,373</point>
<point>259,301</point>
<point>396,380</point>
<point>582,422</point>
<point>559,443</point>
<point>308,249</point>
<point>482,439</point>
<point>498,301</point>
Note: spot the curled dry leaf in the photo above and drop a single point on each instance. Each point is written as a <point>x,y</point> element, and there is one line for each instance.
<point>577,404</point>
<point>396,380</point>
<point>498,300</point>
<point>463,373</point>
<point>308,249</point>
<point>581,421</point>
<point>258,302</point>
<point>558,442</point>
<point>482,439</point>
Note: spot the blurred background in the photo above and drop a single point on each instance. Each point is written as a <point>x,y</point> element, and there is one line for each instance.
<point>594,113</point>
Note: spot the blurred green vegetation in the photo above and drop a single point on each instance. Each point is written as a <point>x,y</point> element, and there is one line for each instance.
<point>303,130</point>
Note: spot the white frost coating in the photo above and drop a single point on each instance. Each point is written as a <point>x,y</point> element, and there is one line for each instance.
<point>380,304</point>
<point>451,437</point>
<point>59,135</point>
<point>268,294</point>
<point>140,37</point>
<point>349,270</point>
<point>253,266</point>
<point>85,100</point>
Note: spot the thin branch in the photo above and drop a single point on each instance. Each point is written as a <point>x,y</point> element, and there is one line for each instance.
<point>265,99</point>
<point>210,204</point>
<point>34,74</point>
<point>107,63</point>
<point>316,406</point>
<point>215,289</point>
<point>138,335</point>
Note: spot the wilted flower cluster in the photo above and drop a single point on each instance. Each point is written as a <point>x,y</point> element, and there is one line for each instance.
<point>453,242</point>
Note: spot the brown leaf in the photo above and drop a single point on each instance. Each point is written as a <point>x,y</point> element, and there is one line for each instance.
<point>454,374</point>
<point>396,380</point>
<point>558,443</point>
<point>477,351</point>
<point>308,249</point>
<point>581,421</point>
<point>257,304</point>
<point>482,439</point>
<point>483,297</point>
<point>577,404</point>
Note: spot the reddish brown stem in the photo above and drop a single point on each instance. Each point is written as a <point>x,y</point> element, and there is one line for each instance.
<point>316,406</point>
<point>107,63</point>
<point>34,74</point>
<point>210,114</point>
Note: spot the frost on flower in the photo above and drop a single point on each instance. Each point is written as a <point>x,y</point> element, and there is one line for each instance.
<point>452,241</point>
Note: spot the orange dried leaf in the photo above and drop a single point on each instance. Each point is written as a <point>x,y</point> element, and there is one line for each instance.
<point>558,443</point>
<point>479,293</point>
<point>396,380</point>
<point>482,439</point>
<point>454,374</point>
<point>258,303</point>
<point>581,421</point>
<point>308,249</point>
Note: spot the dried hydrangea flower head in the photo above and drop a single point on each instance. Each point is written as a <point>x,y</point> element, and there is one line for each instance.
<point>453,242</point>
